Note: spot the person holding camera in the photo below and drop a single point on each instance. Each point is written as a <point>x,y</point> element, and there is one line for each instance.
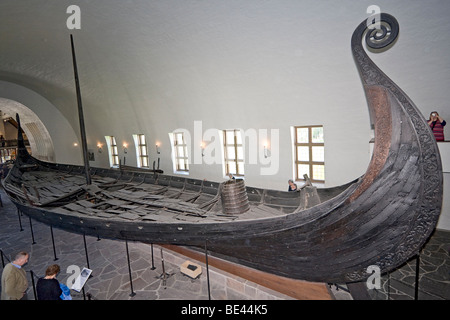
<point>437,124</point>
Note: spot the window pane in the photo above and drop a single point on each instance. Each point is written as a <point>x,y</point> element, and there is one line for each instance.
<point>230,137</point>
<point>318,172</point>
<point>238,137</point>
<point>318,154</point>
<point>144,161</point>
<point>180,152</point>
<point>302,169</point>
<point>232,167</point>
<point>302,154</point>
<point>317,134</point>
<point>241,167</point>
<point>143,150</point>
<point>240,155</point>
<point>302,135</point>
<point>181,164</point>
<point>231,153</point>
<point>179,138</point>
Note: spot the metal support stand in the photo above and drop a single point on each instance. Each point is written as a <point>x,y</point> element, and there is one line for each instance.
<point>416,289</point>
<point>3,261</point>
<point>53,243</point>
<point>153,262</point>
<point>32,234</point>
<point>98,236</point>
<point>20,220</point>
<point>389,286</point>
<point>207,270</point>
<point>84,294</point>
<point>164,276</point>
<point>132,294</point>
<point>85,250</point>
<point>34,285</point>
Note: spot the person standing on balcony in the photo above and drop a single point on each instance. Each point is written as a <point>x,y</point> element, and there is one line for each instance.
<point>437,124</point>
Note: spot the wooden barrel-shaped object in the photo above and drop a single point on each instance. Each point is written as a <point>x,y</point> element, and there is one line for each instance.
<point>234,197</point>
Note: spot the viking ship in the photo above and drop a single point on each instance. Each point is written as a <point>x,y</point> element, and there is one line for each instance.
<point>318,234</point>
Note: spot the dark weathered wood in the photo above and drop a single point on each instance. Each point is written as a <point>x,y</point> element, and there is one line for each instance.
<point>123,167</point>
<point>80,115</point>
<point>383,218</point>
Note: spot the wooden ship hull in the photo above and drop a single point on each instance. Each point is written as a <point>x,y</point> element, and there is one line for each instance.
<point>326,235</point>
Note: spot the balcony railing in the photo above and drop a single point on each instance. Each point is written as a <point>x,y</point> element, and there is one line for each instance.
<point>11,143</point>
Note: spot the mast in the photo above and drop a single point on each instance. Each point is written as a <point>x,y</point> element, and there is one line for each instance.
<point>80,116</point>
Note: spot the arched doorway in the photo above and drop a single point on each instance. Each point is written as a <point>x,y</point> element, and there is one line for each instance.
<point>38,136</point>
<point>51,136</point>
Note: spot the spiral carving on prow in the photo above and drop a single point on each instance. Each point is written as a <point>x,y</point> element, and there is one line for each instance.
<point>385,34</point>
<point>399,122</point>
<point>378,35</point>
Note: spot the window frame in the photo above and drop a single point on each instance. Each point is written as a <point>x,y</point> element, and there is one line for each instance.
<point>141,150</point>
<point>177,156</point>
<point>236,147</point>
<point>310,144</point>
<point>113,151</point>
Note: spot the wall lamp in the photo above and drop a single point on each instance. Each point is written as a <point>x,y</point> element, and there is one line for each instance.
<point>202,146</point>
<point>266,151</point>
<point>99,147</point>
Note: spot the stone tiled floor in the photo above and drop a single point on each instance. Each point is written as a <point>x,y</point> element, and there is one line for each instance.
<point>400,284</point>
<point>434,274</point>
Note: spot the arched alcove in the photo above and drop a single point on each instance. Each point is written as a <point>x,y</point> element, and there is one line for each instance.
<point>50,134</point>
<point>40,141</point>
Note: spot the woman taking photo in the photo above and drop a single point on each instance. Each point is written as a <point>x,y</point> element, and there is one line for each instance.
<point>437,124</point>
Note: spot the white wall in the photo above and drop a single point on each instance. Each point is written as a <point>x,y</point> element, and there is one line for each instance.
<point>253,65</point>
<point>444,220</point>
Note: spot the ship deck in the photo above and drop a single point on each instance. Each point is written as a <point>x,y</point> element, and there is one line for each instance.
<point>130,200</point>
